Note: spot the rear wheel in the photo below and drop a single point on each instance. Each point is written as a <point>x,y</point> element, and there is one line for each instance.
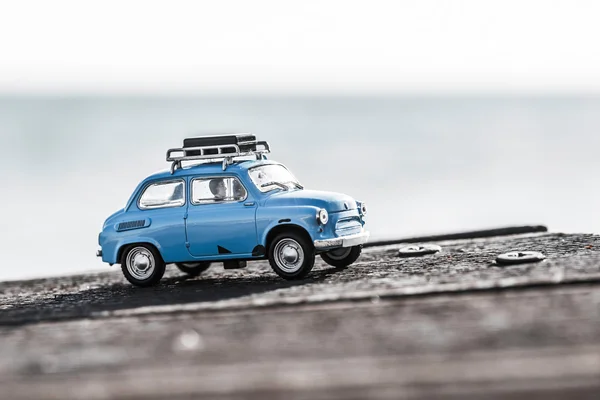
<point>193,269</point>
<point>342,257</point>
<point>142,265</point>
<point>291,255</point>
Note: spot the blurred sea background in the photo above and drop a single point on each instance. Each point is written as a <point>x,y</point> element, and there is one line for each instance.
<point>423,164</point>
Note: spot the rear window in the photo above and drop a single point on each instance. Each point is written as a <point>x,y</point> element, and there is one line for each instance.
<point>163,194</point>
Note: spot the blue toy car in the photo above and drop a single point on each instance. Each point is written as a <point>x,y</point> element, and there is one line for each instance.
<point>231,206</point>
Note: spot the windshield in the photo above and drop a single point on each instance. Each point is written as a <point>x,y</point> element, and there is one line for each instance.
<point>270,177</point>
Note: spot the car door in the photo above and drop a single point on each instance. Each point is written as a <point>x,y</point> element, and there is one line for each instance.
<point>161,208</point>
<point>221,217</point>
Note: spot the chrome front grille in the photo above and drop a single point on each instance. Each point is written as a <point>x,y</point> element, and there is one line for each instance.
<point>347,226</point>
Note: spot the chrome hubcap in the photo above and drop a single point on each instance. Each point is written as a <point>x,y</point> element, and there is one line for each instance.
<point>289,255</point>
<point>140,263</point>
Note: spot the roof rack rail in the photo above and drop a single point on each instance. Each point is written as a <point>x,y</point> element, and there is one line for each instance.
<point>220,147</point>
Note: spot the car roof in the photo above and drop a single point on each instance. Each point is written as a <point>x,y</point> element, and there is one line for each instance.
<point>214,168</point>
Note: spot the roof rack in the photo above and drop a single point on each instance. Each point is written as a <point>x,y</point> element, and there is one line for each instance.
<point>220,147</point>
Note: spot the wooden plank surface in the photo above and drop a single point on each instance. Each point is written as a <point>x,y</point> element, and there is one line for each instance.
<point>449,325</point>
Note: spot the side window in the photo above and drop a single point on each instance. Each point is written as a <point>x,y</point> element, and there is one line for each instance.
<point>217,190</point>
<point>163,194</point>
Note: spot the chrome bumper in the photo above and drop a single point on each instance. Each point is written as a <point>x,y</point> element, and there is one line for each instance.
<point>342,241</point>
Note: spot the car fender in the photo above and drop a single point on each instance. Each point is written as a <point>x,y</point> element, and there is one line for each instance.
<point>114,257</point>
<point>305,217</point>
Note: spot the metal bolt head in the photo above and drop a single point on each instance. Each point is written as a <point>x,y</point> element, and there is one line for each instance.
<point>418,250</point>
<point>520,257</point>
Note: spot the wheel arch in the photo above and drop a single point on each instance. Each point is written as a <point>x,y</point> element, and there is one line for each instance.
<point>126,246</point>
<point>281,228</point>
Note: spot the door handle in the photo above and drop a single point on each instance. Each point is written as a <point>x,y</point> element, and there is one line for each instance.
<point>249,204</point>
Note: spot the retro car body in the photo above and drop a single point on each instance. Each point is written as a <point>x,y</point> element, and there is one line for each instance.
<point>230,210</point>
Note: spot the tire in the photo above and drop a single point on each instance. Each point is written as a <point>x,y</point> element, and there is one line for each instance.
<point>142,265</point>
<point>291,255</point>
<point>341,259</point>
<point>193,268</point>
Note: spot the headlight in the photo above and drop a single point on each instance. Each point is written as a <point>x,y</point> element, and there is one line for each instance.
<point>322,216</point>
<point>362,207</point>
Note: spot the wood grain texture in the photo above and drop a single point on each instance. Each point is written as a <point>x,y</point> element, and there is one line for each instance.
<point>448,325</point>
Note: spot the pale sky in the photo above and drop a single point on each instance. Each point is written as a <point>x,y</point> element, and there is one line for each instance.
<point>264,46</point>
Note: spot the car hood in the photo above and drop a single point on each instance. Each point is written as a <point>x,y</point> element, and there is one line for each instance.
<point>330,201</point>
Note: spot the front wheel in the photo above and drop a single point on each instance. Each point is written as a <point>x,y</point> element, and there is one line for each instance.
<point>193,269</point>
<point>291,256</point>
<point>342,257</point>
<point>142,265</point>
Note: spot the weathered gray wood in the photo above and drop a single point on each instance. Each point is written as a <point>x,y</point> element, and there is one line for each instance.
<point>452,325</point>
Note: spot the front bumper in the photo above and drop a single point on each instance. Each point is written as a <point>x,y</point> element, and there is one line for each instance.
<point>343,241</point>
